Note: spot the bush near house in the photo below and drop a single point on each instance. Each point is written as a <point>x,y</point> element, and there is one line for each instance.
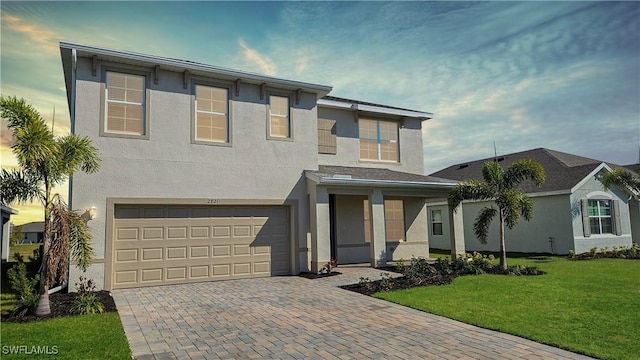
<point>623,252</point>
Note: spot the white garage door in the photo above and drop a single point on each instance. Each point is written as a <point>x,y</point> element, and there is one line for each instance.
<point>156,245</point>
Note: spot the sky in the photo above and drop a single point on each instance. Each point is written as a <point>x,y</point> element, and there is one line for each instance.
<point>559,75</point>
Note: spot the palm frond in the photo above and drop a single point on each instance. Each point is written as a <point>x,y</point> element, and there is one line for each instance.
<point>469,190</point>
<point>524,169</point>
<point>77,152</point>
<point>482,222</point>
<point>20,186</point>
<point>493,173</point>
<point>16,111</point>
<point>620,178</point>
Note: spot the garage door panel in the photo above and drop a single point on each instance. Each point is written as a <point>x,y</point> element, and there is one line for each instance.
<point>174,244</point>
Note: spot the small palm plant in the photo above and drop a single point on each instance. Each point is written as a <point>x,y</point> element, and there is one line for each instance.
<point>501,187</point>
<point>46,160</point>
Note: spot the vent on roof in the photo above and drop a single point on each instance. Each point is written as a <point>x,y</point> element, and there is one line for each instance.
<point>463,166</point>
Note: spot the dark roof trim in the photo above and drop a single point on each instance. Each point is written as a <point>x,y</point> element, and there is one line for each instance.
<point>342,103</point>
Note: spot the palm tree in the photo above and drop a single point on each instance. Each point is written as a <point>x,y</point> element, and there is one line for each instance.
<point>44,160</point>
<point>620,178</point>
<point>500,186</point>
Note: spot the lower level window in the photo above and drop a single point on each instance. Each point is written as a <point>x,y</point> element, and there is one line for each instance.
<point>600,216</point>
<point>436,222</point>
<point>394,220</point>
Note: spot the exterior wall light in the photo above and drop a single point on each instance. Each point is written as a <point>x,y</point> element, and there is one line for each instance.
<point>92,212</point>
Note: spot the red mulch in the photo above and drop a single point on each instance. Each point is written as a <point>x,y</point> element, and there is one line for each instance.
<point>61,305</point>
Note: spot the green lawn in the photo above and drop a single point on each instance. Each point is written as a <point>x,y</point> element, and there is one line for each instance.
<point>98,336</point>
<point>591,307</point>
<point>25,250</point>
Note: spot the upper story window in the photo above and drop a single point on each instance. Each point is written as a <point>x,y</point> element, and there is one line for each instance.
<point>211,114</point>
<point>327,142</point>
<point>124,104</point>
<point>279,125</point>
<point>378,140</point>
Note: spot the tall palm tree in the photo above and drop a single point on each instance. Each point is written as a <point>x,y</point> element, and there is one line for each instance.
<point>44,160</point>
<point>500,186</point>
<point>620,178</point>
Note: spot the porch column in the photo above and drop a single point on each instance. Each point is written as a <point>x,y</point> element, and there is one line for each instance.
<point>320,228</point>
<point>456,226</point>
<point>378,236</point>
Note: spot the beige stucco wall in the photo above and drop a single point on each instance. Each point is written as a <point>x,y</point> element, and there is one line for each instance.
<point>348,143</point>
<point>167,165</point>
<point>352,248</point>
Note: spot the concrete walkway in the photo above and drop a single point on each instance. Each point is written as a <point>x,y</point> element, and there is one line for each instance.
<point>296,318</point>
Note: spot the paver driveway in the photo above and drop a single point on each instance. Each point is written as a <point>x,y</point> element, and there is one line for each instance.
<point>296,318</point>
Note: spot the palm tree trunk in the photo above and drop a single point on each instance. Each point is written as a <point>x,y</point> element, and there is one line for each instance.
<point>43,304</point>
<point>503,247</point>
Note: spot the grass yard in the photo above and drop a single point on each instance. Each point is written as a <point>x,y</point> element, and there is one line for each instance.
<point>98,336</point>
<point>591,307</point>
<point>25,250</point>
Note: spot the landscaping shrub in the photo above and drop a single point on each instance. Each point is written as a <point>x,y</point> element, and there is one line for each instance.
<point>86,302</point>
<point>616,252</point>
<point>25,287</point>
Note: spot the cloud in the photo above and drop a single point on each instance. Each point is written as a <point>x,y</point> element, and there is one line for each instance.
<point>46,38</point>
<point>264,64</point>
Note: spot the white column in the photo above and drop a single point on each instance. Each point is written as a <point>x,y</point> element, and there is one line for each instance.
<point>456,226</point>
<point>378,236</point>
<point>320,229</point>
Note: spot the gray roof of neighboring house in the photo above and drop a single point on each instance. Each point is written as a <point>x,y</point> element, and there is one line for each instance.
<point>376,174</point>
<point>633,167</point>
<point>563,171</point>
<point>32,227</point>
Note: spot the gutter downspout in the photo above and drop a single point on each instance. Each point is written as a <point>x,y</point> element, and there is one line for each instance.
<point>72,119</point>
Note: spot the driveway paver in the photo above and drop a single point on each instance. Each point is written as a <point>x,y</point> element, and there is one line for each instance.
<point>296,318</point>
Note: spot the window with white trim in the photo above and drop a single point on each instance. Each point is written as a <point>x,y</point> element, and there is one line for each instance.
<point>125,104</point>
<point>600,219</point>
<point>279,119</point>
<point>378,140</point>
<point>436,222</point>
<point>211,114</point>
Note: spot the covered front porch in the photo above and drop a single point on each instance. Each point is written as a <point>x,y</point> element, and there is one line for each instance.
<point>373,215</point>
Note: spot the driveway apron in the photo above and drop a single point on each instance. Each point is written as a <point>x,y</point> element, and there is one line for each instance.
<point>296,318</point>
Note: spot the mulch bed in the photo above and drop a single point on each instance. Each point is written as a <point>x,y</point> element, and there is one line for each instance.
<point>61,305</point>
<point>369,288</point>
<point>309,275</point>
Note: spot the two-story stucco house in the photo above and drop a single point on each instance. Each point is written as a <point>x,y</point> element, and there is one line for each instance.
<point>210,173</point>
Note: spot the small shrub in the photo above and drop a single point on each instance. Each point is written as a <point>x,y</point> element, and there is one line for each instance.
<point>519,270</point>
<point>365,283</point>
<point>87,302</point>
<point>24,287</point>
<point>593,251</point>
<point>418,270</point>
<point>385,282</point>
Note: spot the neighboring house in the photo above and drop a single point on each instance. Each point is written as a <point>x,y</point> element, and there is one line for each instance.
<point>211,173</point>
<point>572,210</point>
<point>5,231</point>
<point>32,232</point>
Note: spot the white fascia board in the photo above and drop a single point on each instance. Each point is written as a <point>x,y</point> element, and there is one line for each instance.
<point>384,183</point>
<point>397,112</point>
<point>334,104</point>
<point>320,90</point>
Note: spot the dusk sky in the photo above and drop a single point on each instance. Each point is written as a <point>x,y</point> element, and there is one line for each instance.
<point>560,75</point>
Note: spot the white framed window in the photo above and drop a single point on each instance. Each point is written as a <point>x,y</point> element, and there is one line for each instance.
<point>279,122</point>
<point>211,114</point>
<point>436,222</point>
<point>600,216</point>
<point>378,140</point>
<point>394,220</point>
<point>124,107</point>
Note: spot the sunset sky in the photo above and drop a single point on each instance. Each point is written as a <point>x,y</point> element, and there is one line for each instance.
<point>560,75</point>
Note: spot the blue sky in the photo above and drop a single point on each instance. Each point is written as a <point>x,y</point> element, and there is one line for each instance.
<point>561,75</point>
